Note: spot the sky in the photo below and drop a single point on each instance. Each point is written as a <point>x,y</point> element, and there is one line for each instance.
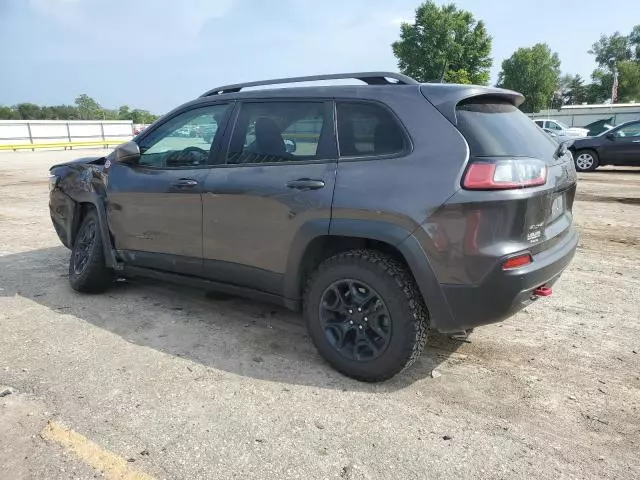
<point>157,54</point>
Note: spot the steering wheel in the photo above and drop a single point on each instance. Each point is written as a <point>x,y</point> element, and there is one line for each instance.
<point>199,150</point>
<point>196,154</point>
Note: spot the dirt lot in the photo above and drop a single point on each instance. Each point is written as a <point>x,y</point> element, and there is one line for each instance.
<point>153,381</point>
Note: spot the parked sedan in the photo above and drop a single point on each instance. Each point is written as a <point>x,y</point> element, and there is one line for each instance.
<point>560,128</point>
<point>599,126</point>
<point>618,146</point>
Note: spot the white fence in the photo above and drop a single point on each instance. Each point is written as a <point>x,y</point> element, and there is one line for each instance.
<point>582,115</point>
<point>57,131</point>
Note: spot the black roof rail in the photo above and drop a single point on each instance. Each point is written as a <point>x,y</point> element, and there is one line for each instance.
<point>370,78</point>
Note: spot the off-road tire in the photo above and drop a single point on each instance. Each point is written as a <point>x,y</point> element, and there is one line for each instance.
<point>94,277</point>
<point>396,287</point>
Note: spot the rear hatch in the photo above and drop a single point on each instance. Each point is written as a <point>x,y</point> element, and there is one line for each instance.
<point>525,161</point>
<point>517,188</point>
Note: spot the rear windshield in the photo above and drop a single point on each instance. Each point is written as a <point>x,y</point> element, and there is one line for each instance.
<point>494,127</point>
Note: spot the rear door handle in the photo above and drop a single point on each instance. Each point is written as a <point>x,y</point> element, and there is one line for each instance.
<point>305,184</point>
<point>185,183</point>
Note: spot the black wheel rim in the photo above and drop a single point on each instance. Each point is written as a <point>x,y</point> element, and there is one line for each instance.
<point>355,320</point>
<point>83,247</point>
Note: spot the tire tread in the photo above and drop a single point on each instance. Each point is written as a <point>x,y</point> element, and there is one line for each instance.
<point>399,274</point>
<point>96,277</point>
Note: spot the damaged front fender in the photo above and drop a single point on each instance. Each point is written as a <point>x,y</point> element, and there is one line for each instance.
<point>79,185</point>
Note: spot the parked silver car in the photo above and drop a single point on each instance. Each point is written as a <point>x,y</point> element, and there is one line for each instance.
<point>560,128</point>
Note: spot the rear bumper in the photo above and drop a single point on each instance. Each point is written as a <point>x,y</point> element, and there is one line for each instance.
<point>503,293</point>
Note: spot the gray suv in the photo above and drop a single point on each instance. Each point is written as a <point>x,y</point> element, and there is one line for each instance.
<point>403,208</point>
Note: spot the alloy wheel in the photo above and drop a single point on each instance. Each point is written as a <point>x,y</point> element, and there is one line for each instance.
<point>355,320</point>
<point>584,161</point>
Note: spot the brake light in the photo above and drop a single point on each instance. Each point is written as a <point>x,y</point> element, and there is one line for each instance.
<point>505,174</point>
<point>517,262</point>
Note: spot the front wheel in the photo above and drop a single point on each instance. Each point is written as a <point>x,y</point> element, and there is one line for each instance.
<point>365,315</point>
<point>586,160</point>
<point>87,270</point>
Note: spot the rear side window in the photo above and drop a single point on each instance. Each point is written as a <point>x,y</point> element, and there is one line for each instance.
<point>494,127</point>
<point>275,132</point>
<point>366,129</point>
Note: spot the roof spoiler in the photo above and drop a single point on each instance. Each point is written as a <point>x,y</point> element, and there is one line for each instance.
<point>446,97</point>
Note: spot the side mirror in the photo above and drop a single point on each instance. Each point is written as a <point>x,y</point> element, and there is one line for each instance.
<point>291,145</point>
<point>610,136</point>
<point>127,153</point>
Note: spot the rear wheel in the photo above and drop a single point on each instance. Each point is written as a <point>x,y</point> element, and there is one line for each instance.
<point>586,160</point>
<point>87,270</point>
<point>365,315</point>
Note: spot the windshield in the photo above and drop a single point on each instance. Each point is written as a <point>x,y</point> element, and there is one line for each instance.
<point>494,127</point>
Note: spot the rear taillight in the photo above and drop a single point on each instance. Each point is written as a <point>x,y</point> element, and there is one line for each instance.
<point>505,174</point>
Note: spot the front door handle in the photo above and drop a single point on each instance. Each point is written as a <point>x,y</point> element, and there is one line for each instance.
<point>305,184</point>
<point>185,183</point>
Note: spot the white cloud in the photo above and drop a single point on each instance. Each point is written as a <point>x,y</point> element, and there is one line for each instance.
<point>115,26</point>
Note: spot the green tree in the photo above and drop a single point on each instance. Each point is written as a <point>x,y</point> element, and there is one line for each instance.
<point>444,44</point>
<point>562,94</point>
<point>634,39</point>
<point>108,114</point>
<point>88,108</point>
<point>601,86</point>
<point>66,112</point>
<point>29,111</point>
<point>142,116</point>
<point>619,53</point>
<point>597,93</point>
<point>611,50</point>
<point>629,81</point>
<point>534,72</point>
<point>124,113</point>
<point>8,113</point>
<point>577,90</point>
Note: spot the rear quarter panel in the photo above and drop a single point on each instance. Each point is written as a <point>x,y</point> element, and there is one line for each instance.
<point>405,190</point>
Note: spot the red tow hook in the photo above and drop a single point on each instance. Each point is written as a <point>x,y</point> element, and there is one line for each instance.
<point>543,291</point>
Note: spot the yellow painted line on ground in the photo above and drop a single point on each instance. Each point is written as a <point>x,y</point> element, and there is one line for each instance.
<point>113,466</point>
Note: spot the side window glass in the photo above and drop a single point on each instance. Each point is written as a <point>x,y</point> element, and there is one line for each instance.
<point>366,129</point>
<point>554,126</point>
<point>280,132</point>
<point>632,130</point>
<point>184,141</point>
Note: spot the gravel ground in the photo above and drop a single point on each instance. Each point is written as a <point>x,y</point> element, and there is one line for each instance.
<point>185,385</point>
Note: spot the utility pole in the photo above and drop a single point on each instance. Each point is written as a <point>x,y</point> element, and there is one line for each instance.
<point>614,87</point>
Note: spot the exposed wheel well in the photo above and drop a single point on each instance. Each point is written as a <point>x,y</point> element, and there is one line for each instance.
<point>80,211</point>
<point>324,247</point>
<point>587,149</point>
